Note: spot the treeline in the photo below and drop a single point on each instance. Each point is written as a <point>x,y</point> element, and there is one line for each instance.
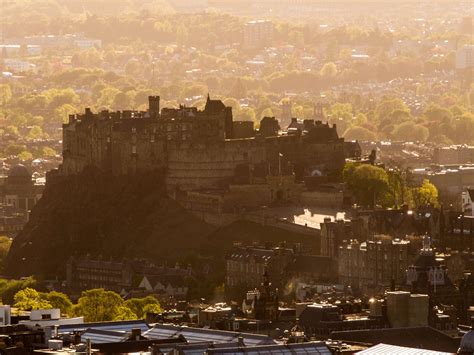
<point>95,305</point>
<point>374,186</point>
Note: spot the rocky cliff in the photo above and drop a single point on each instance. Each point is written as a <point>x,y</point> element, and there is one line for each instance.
<point>120,217</point>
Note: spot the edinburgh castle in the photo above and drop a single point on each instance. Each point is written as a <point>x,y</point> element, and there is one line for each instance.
<point>206,152</point>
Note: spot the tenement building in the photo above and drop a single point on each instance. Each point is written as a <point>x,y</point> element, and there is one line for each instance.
<point>374,264</point>
<point>202,149</point>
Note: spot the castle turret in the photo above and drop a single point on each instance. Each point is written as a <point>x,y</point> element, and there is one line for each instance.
<point>154,105</point>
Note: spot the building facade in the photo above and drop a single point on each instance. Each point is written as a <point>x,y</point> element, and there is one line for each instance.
<point>195,149</point>
<point>373,264</point>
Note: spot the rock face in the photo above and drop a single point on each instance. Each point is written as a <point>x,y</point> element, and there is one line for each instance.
<point>96,214</point>
<point>122,217</point>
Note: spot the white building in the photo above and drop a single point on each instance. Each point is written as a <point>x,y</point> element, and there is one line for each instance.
<point>465,57</point>
<point>258,33</point>
<point>19,66</point>
<point>49,320</point>
<point>468,202</point>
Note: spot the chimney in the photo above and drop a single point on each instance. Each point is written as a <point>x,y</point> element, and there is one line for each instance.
<point>154,106</point>
<point>136,334</point>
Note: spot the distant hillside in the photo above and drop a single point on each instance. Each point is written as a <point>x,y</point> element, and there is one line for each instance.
<point>121,217</point>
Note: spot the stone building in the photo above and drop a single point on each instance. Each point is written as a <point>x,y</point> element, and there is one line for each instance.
<point>428,274</point>
<point>262,303</point>
<point>373,264</point>
<point>202,150</point>
<point>246,267</point>
<point>19,193</point>
<point>87,273</point>
<point>19,190</point>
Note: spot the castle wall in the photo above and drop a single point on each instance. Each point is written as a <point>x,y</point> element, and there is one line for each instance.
<point>209,166</point>
<point>191,147</point>
<point>322,198</point>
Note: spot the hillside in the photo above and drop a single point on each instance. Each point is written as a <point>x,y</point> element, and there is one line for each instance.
<point>120,217</point>
<point>102,215</point>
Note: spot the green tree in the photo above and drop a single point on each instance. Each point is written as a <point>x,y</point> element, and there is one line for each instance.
<point>61,114</point>
<point>410,131</point>
<point>5,244</point>
<point>267,113</point>
<point>9,288</point>
<point>29,299</point>
<point>35,133</point>
<point>368,183</point>
<point>98,305</point>
<point>245,114</point>
<point>140,306</point>
<point>5,94</point>
<point>124,313</point>
<point>25,156</point>
<point>359,133</point>
<point>329,70</point>
<point>59,300</point>
<point>48,152</point>
<point>387,106</point>
<point>14,149</point>
<point>426,194</point>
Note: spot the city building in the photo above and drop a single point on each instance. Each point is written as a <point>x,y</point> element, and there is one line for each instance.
<point>468,202</point>
<point>262,303</point>
<point>465,57</point>
<point>19,190</point>
<point>257,34</point>
<point>374,264</point>
<point>247,266</point>
<point>87,273</point>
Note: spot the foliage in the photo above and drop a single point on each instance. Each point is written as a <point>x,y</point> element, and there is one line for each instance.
<point>368,183</point>
<point>98,305</point>
<point>5,244</point>
<point>426,194</point>
<point>8,288</point>
<point>29,299</point>
<point>140,306</point>
<point>59,300</point>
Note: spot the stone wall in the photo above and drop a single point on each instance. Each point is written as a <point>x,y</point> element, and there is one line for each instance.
<point>209,166</point>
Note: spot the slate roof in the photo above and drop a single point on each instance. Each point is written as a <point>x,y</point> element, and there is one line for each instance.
<point>412,337</point>
<point>119,326</point>
<point>385,349</point>
<point>316,348</point>
<point>196,335</point>
<point>98,336</point>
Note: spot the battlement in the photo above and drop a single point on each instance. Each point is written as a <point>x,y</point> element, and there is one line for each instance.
<point>196,148</point>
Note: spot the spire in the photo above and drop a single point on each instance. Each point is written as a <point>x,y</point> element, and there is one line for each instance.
<point>208,97</point>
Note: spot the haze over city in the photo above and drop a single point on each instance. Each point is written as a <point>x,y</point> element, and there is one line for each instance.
<point>236,177</point>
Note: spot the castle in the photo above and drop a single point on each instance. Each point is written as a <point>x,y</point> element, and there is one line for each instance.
<point>203,150</point>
